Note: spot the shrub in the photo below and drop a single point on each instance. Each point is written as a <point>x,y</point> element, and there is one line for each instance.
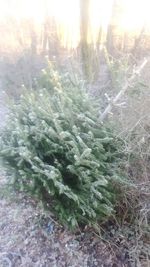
<point>55,147</point>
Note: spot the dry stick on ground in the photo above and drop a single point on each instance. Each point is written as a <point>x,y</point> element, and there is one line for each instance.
<point>123,90</point>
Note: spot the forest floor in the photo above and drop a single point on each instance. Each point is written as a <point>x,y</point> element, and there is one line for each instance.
<point>29,237</point>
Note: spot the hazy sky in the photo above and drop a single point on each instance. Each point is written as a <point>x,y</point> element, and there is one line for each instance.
<point>135,12</point>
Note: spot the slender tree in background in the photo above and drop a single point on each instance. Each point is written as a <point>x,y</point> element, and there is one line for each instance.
<point>110,30</point>
<point>138,40</point>
<point>84,31</point>
<point>33,39</point>
<point>89,47</point>
<point>50,39</point>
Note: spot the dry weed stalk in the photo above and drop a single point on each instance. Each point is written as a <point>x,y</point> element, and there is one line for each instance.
<point>114,102</point>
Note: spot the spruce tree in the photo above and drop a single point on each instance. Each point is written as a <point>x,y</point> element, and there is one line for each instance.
<point>55,148</point>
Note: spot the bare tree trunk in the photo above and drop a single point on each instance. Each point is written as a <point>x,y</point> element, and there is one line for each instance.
<point>33,40</point>
<point>110,37</point>
<point>84,27</point>
<point>50,39</point>
<point>138,41</point>
<point>125,41</point>
<point>99,38</point>
<point>45,36</point>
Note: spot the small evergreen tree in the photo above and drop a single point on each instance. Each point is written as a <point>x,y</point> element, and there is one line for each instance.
<point>55,147</point>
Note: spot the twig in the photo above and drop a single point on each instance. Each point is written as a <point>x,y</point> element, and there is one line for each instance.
<point>121,93</point>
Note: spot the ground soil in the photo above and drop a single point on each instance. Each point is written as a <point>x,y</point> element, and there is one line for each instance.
<point>29,237</point>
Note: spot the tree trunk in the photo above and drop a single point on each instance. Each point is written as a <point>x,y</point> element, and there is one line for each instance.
<point>138,41</point>
<point>110,37</point>
<point>84,27</point>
